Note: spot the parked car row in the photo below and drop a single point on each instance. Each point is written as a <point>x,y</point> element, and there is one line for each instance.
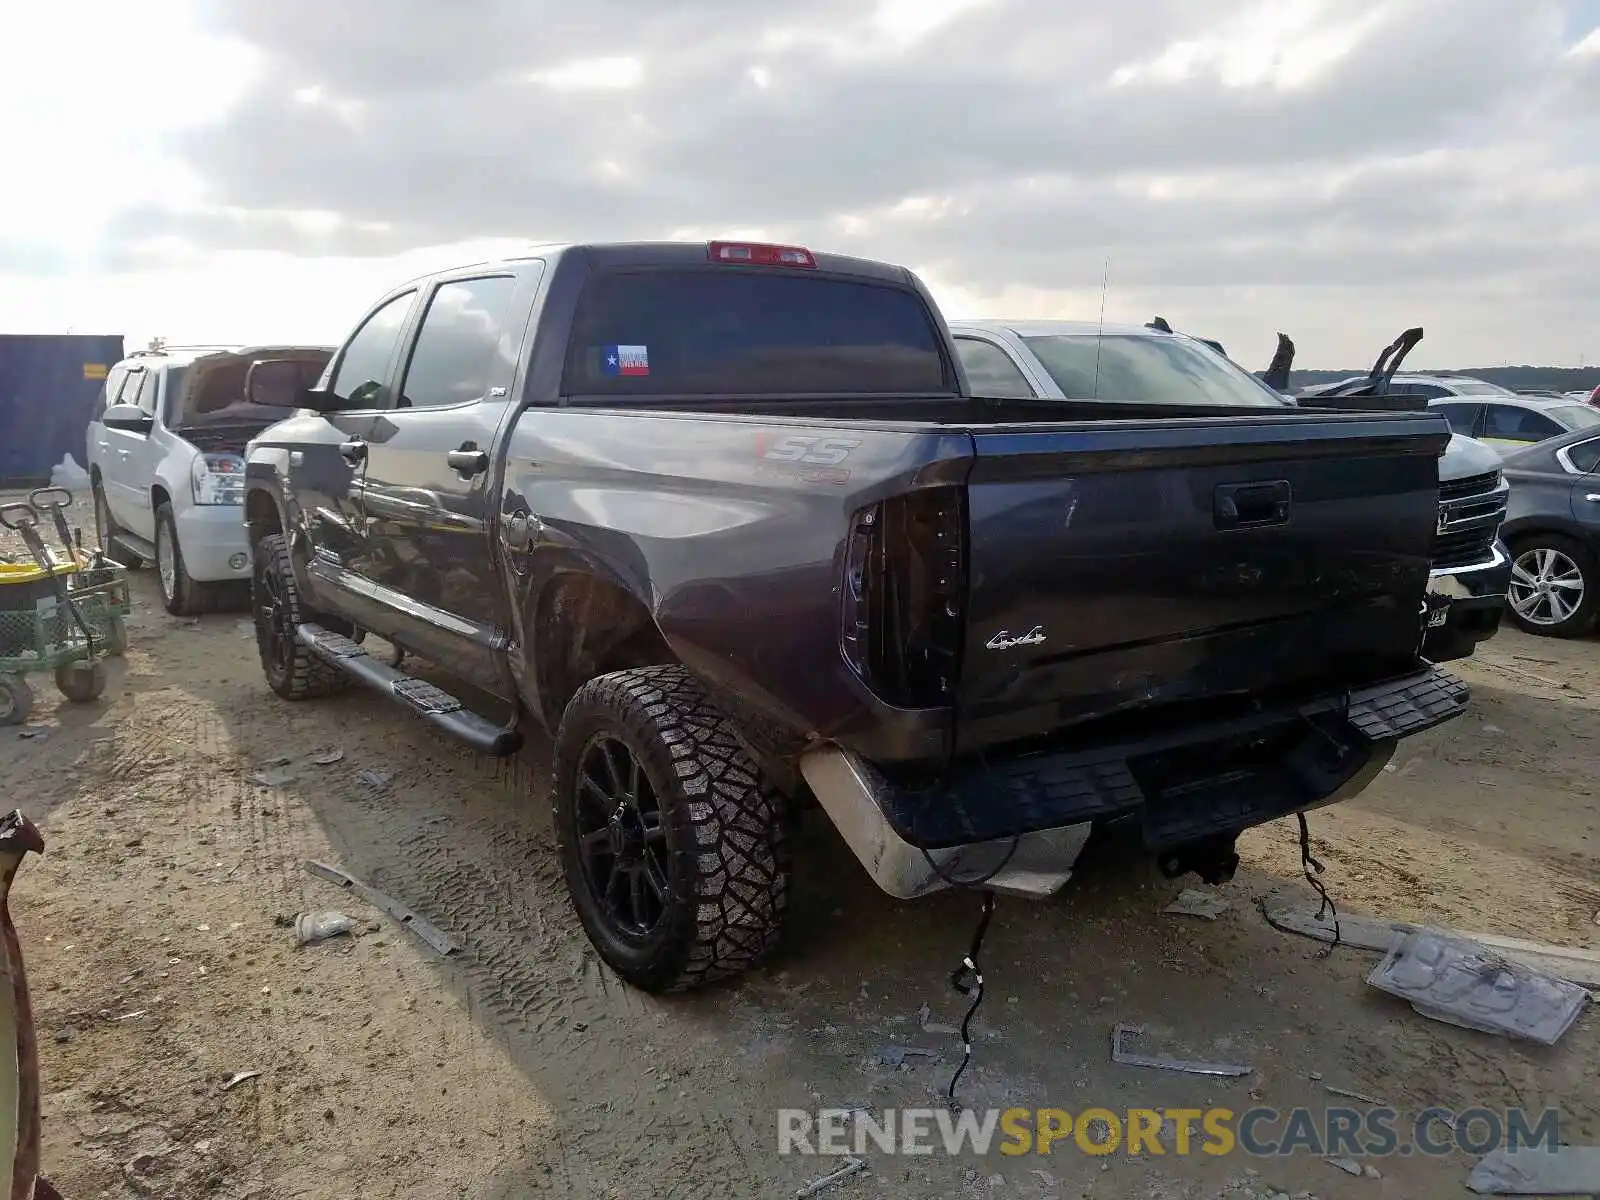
<point>1512,421</point>
<point>1553,529</point>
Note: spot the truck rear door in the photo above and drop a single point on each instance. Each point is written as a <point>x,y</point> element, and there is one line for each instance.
<point>1128,563</point>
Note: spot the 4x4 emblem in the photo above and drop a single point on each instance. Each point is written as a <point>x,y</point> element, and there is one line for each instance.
<point>1005,641</point>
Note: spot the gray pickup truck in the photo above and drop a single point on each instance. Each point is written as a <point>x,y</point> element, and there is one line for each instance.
<point>732,522</point>
<point>1471,568</point>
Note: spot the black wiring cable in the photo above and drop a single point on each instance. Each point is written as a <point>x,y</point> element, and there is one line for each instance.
<point>973,987</point>
<point>1312,867</point>
<point>976,881</point>
<point>959,978</point>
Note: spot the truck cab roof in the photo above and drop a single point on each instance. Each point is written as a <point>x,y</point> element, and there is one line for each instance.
<point>611,255</point>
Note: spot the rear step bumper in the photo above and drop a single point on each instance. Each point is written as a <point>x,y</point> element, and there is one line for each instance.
<point>1185,785</point>
<point>418,695</point>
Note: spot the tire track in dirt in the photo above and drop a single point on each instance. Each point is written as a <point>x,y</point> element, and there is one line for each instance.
<point>467,843</point>
<point>615,1093</point>
<point>533,976</point>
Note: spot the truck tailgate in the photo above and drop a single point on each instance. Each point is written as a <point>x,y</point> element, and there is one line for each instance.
<point>1130,564</point>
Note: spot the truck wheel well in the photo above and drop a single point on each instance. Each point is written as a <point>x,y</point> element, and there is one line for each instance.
<point>586,628</point>
<point>261,516</point>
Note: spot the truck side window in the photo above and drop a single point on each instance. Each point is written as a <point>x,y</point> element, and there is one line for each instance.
<point>1462,417</point>
<point>457,348</point>
<point>990,370</point>
<point>362,378</point>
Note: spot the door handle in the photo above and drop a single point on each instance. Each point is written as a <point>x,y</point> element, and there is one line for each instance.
<point>1252,505</point>
<point>467,462</point>
<point>1594,496</point>
<point>354,452</point>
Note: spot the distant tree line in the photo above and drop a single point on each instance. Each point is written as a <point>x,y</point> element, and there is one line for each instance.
<point>1518,379</point>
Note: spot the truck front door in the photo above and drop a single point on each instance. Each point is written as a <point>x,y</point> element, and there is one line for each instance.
<point>426,496</point>
<point>327,461</point>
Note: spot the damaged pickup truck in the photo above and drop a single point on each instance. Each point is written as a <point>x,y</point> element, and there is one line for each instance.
<point>729,522</point>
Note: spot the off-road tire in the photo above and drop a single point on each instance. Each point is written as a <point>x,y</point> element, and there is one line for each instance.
<point>106,531</point>
<point>726,828</point>
<point>1583,617</point>
<point>189,596</point>
<point>307,676</point>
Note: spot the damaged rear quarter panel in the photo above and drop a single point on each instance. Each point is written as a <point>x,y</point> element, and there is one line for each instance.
<point>729,530</point>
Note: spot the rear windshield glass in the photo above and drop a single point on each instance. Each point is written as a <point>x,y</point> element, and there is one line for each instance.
<point>1576,416</point>
<point>728,331</point>
<point>1478,387</point>
<point>1137,369</point>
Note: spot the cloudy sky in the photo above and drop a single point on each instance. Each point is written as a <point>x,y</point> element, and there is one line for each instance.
<point>223,170</point>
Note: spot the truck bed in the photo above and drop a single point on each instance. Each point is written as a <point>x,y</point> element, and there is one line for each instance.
<point>1100,572</point>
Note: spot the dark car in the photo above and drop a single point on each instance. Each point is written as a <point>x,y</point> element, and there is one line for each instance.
<point>729,521</point>
<point>1553,530</point>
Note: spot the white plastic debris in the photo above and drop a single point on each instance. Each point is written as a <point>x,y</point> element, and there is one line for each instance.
<point>1561,1171</point>
<point>1461,982</point>
<point>320,926</point>
<point>68,474</point>
<point>1196,902</point>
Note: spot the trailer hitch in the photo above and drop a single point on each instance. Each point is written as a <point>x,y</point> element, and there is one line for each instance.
<point>1213,859</point>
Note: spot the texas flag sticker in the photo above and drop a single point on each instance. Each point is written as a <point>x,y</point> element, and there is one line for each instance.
<point>625,360</point>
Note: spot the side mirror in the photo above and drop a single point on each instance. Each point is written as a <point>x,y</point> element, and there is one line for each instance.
<point>281,383</point>
<point>129,418</point>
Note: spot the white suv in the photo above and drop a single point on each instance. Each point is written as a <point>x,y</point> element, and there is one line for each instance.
<point>165,444</point>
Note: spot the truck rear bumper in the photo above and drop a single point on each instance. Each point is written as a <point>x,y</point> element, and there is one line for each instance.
<point>1185,785</point>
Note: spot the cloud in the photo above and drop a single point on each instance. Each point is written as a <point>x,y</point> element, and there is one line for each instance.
<point>1238,160</point>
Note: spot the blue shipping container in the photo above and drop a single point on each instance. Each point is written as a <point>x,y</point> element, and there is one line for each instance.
<point>48,387</point>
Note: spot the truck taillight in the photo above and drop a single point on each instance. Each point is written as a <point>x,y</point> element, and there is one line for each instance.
<point>759,254</point>
<point>904,590</point>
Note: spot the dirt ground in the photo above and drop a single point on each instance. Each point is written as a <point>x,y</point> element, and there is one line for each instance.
<point>162,971</point>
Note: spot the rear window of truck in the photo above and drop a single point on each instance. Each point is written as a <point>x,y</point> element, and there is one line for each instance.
<point>732,331</point>
<point>1155,369</point>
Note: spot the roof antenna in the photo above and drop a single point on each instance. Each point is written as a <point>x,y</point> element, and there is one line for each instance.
<point>1100,333</point>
